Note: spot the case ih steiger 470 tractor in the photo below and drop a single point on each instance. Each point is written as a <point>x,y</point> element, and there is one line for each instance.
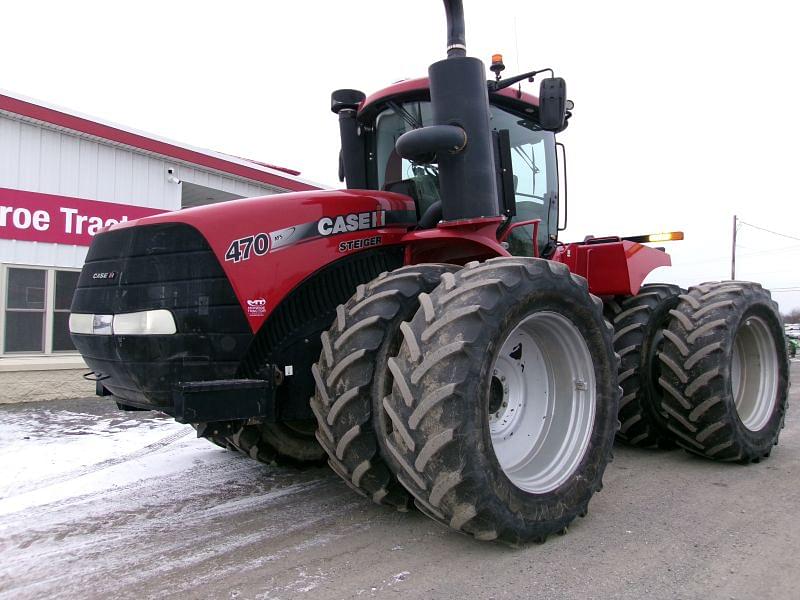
<point>425,329</point>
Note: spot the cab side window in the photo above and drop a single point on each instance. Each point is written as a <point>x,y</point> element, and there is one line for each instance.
<point>533,161</point>
<point>419,181</point>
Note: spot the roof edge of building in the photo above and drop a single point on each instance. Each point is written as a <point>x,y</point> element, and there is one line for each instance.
<point>75,121</point>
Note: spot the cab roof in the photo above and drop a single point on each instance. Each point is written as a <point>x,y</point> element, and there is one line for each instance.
<point>420,88</point>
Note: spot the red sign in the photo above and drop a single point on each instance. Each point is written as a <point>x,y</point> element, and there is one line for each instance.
<point>34,217</point>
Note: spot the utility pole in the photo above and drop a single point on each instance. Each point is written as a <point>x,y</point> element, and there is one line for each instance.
<point>733,250</point>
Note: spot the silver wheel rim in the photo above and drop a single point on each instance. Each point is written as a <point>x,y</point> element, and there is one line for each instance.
<point>754,373</point>
<point>542,401</point>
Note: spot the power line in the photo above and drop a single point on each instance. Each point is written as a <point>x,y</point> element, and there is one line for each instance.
<point>792,248</point>
<point>791,237</point>
<point>784,249</point>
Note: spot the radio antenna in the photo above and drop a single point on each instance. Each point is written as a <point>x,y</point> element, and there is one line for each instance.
<point>516,46</point>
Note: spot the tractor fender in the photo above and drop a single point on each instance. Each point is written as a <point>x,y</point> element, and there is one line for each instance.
<point>455,242</point>
<point>612,268</point>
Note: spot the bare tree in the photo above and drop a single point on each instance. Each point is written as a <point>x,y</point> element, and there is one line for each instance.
<point>793,316</point>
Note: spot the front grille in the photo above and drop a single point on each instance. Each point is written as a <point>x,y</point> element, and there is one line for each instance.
<point>166,266</point>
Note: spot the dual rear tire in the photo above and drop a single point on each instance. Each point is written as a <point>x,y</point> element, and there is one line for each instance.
<point>725,372</point>
<point>704,369</point>
<point>639,322</point>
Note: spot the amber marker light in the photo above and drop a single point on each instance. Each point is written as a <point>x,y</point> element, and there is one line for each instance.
<point>656,237</point>
<point>497,65</point>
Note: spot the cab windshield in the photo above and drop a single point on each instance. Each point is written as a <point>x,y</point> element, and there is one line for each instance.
<point>533,160</point>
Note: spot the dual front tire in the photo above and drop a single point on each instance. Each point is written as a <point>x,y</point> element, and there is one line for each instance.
<point>352,378</point>
<point>291,443</point>
<point>495,406</point>
<point>504,400</point>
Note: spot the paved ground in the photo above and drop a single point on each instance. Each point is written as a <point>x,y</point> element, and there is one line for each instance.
<point>95,503</point>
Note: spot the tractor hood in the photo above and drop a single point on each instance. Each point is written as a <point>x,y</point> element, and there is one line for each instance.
<point>268,245</point>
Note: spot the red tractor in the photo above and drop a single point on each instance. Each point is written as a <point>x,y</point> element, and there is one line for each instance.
<point>425,329</point>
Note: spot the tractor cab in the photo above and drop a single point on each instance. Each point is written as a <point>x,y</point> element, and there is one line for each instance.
<point>370,159</point>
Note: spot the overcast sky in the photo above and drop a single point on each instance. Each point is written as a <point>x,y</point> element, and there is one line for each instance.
<point>686,112</point>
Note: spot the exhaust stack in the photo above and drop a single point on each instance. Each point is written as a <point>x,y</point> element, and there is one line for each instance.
<point>456,38</point>
<point>459,98</point>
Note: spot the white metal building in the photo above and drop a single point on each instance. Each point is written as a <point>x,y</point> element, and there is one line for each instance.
<point>62,176</point>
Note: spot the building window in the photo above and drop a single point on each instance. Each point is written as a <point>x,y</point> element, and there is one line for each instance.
<point>36,310</point>
<point>66,281</point>
<point>193,195</point>
<point>25,312</point>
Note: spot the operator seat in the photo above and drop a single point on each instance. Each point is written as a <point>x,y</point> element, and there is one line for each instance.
<point>422,187</point>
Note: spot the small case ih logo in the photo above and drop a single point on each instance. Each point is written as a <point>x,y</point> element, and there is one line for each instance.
<point>257,307</point>
<point>104,275</point>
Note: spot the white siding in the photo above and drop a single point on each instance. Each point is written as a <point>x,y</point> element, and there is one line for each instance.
<point>38,158</point>
<point>35,158</point>
<point>70,168</point>
<point>9,155</point>
<point>89,158</point>
<point>30,153</point>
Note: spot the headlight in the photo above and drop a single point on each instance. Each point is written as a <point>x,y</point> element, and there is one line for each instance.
<point>80,323</point>
<point>147,322</point>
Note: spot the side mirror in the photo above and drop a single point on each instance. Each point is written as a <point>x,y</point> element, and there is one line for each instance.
<point>552,103</point>
<point>346,99</point>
